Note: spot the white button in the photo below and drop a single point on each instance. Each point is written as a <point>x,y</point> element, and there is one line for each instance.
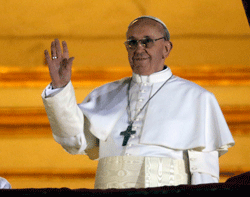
<point>142,91</point>
<point>129,145</point>
<point>132,136</point>
<point>140,100</point>
<point>137,119</point>
<point>127,154</point>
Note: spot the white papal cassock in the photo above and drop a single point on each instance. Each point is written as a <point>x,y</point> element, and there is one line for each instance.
<point>180,134</point>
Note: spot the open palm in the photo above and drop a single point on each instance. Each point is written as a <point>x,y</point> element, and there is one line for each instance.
<point>60,65</point>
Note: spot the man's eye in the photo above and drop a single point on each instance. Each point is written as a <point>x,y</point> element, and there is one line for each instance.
<point>132,42</point>
<point>148,40</point>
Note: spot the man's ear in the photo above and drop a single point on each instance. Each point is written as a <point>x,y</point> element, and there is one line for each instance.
<point>168,48</point>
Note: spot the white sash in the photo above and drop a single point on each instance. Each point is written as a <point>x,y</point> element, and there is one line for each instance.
<point>140,172</point>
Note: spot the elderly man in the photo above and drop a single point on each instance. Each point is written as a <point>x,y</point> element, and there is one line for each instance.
<point>148,130</point>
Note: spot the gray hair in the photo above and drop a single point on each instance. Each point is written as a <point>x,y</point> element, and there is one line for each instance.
<point>166,32</point>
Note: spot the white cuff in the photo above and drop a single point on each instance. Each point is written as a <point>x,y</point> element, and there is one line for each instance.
<point>204,162</point>
<point>73,145</point>
<point>200,178</point>
<point>49,92</point>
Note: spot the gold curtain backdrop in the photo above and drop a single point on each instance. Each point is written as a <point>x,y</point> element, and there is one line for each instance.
<point>210,47</point>
<point>202,32</point>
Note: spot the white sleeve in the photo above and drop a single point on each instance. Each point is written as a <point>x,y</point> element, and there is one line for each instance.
<point>49,92</point>
<point>204,167</point>
<point>83,143</point>
<point>66,119</point>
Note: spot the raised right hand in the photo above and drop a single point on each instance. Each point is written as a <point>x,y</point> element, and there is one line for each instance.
<point>60,68</point>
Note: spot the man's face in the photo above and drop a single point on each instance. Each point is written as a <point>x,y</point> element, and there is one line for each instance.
<point>146,61</point>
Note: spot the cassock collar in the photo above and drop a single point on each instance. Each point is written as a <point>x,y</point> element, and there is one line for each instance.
<point>153,78</point>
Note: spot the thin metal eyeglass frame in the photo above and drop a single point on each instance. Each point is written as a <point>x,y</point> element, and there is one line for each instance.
<point>137,41</point>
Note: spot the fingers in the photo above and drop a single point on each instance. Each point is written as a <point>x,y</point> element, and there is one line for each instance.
<point>53,49</point>
<point>47,57</point>
<point>57,52</point>
<point>58,48</point>
<point>49,61</point>
<point>65,50</point>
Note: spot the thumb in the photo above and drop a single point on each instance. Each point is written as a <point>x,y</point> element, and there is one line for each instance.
<point>70,62</point>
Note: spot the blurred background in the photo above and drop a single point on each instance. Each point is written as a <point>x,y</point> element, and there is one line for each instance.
<point>210,47</point>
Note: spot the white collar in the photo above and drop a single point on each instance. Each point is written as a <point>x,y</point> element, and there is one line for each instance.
<point>153,78</point>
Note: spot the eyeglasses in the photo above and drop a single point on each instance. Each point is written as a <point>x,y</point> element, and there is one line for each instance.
<point>145,42</point>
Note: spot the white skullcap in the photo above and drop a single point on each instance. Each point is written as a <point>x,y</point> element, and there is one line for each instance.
<point>156,19</point>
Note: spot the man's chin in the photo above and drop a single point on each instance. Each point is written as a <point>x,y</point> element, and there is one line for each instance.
<point>141,69</point>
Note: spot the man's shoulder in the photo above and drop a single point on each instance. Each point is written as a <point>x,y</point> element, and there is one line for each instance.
<point>187,85</point>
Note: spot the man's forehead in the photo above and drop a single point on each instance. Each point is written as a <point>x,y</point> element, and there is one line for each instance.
<point>150,20</point>
<point>139,26</point>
